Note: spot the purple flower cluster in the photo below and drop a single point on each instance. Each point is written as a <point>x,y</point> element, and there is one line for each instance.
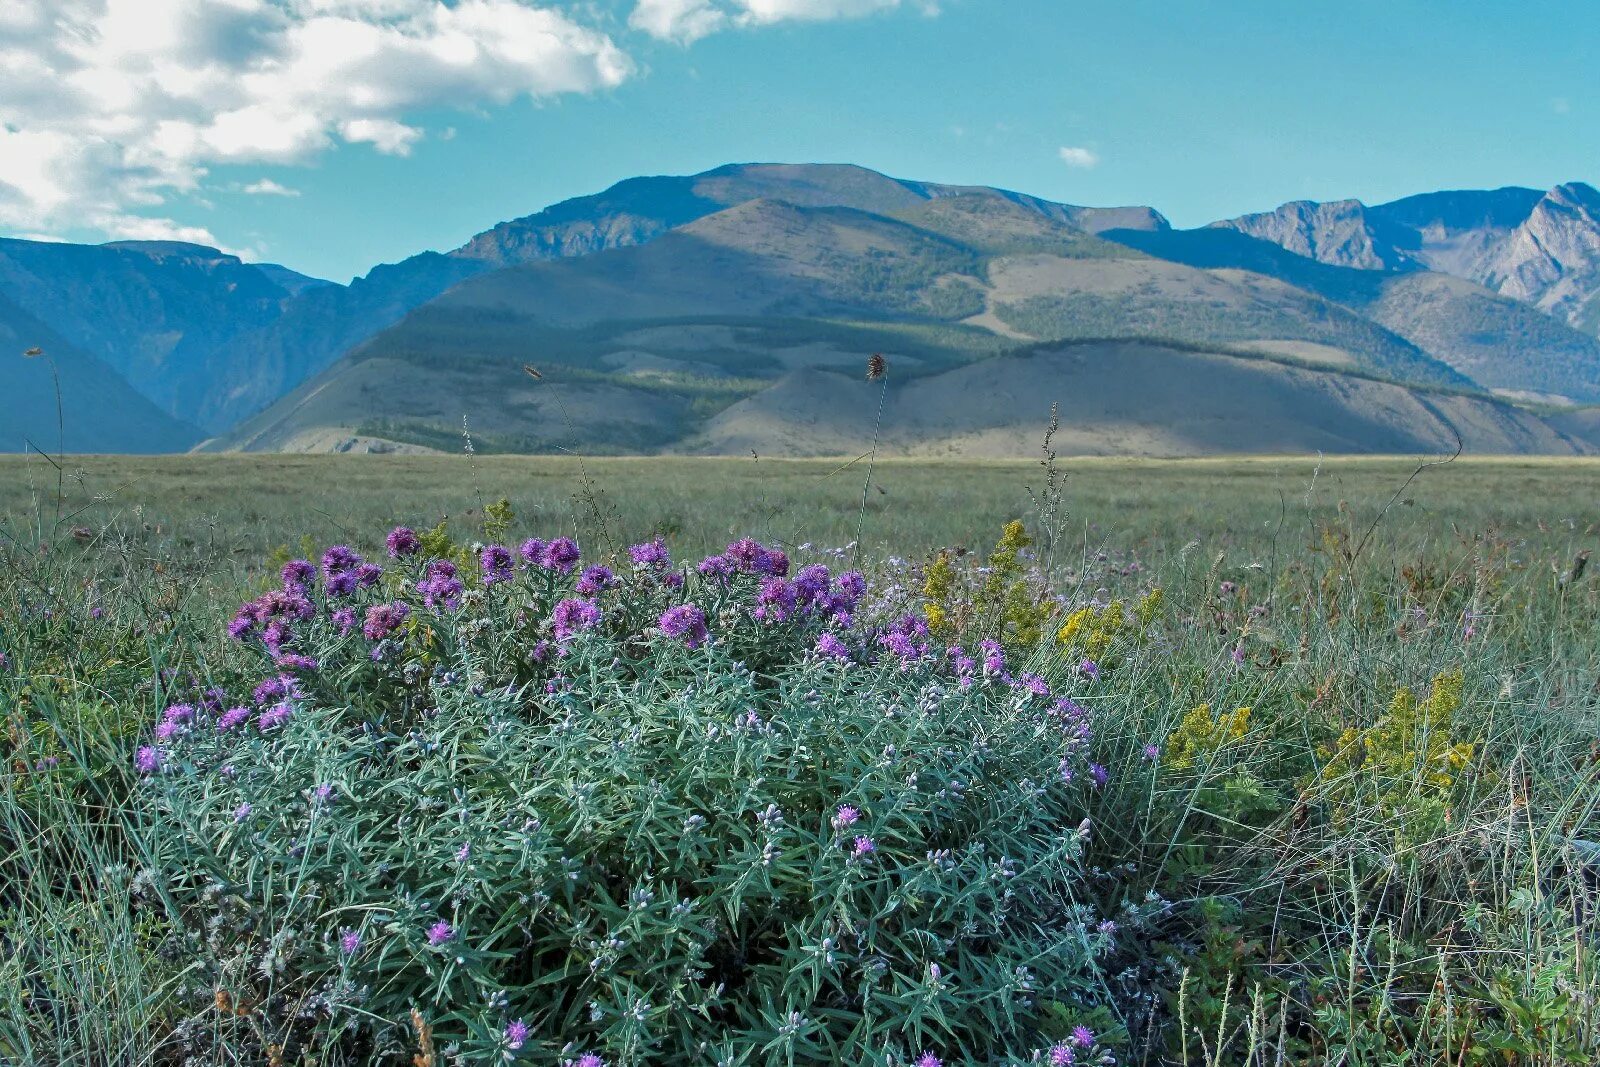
<point>440,588</point>
<point>497,564</point>
<point>572,616</point>
<point>906,639</point>
<point>684,622</point>
<point>384,619</point>
<point>595,580</point>
<point>745,556</point>
<point>403,541</point>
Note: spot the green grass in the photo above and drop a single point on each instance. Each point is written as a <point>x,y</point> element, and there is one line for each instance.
<point>1328,897</point>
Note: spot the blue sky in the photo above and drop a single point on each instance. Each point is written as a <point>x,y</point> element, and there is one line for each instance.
<point>1201,110</point>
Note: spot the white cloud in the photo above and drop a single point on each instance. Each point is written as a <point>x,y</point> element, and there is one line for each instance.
<point>1082,158</point>
<point>685,21</point>
<point>268,187</point>
<point>678,20</point>
<point>110,108</point>
<point>386,135</point>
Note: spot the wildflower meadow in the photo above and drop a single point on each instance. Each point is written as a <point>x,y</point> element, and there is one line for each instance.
<point>517,788</point>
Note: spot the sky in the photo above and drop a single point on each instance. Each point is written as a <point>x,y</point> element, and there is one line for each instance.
<point>333,135</point>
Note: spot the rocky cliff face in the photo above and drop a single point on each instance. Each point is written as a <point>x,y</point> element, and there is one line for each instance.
<point>1343,233</point>
<point>1540,248</point>
<point>1552,259</point>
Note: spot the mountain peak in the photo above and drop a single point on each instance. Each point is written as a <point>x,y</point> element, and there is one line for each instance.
<point>174,250</point>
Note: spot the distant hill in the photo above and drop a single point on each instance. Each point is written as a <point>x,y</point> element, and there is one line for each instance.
<point>663,305</point>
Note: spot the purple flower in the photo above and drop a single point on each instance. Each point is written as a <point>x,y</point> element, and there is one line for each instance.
<point>906,638</point>
<point>1061,1055</point>
<point>752,558</point>
<point>384,619</point>
<point>594,580</point>
<point>274,717</point>
<point>811,584</point>
<point>928,1059</point>
<point>298,573</point>
<point>497,564</point>
<point>271,690</point>
<point>338,559</point>
<point>863,847</point>
<point>532,551</point>
<point>571,616</point>
<point>830,646</point>
<point>852,584</point>
<point>440,932</point>
<point>367,574</point>
<point>166,731</point>
<point>1099,774</point>
<point>776,601</point>
<point>994,660</point>
<point>342,584</point>
<point>323,793</point>
<point>1090,668</point>
<point>241,813</point>
<point>1033,684</point>
<point>589,1059</point>
<point>148,759</point>
<point>179,713</point>
<point>1082,1036</point>
<point>516,1034</point>
<point>719,567</point>
<point>349,940</point>
<point>652,554</point>
<point>1152,752</point>
<point>240,625</point>
<point>685,622</point>
<point>403,541</point>
<point>233,717</point>
<point>464,852</point>
<point>291,662</point>
<point>441,586</point>
<point>845,816</point>
<point>561,555</point>
<point>344,619</point>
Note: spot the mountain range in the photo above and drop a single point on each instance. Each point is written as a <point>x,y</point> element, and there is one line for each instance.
<point>733,310</point>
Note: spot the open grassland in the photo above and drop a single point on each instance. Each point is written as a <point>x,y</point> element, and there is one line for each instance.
<point>1252,761</point>
<point>225,513</point>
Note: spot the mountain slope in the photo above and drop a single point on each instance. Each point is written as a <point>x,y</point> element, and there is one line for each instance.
<point>1501,343</point>
<point>159,313</point>
<point>103,413</point>
<point>650,347</point>
<point>327,323</point>
<point>1128,398</point>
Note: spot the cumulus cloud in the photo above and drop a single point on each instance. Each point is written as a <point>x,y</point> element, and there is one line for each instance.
<point>1082,158</point>
<point>685,21</point>
<point>110,108</point>
<point>268,187</point>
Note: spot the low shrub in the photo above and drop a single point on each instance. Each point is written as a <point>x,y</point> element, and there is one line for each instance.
<point>559,814</point>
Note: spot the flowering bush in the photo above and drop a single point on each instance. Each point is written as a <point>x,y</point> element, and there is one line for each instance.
<point>650,814</point>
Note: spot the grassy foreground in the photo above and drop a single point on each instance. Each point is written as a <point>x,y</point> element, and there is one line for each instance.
<point>1249,761</point>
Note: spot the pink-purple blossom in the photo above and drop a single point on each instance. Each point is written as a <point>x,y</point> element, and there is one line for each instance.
<point>685,622</point>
